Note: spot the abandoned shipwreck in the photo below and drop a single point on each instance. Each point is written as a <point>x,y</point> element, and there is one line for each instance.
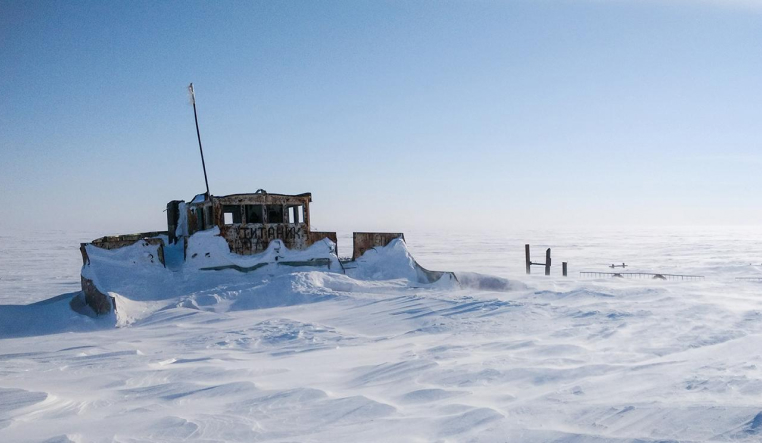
<point>211,236</point>
<point>259,229</point>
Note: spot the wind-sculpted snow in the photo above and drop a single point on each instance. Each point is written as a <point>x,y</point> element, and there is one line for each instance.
<point>312,354</point>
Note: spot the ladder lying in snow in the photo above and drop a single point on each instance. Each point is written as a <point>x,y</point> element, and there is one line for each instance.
<point>650,275</point>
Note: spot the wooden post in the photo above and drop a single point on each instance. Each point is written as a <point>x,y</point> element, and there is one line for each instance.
<point>563,267</point>
<point>529,262</point>
<point>547,262</point>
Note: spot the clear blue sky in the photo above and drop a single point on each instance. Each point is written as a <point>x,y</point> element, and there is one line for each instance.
<point>395,115</point>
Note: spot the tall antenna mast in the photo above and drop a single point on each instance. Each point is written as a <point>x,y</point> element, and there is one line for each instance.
<point>198,134</point>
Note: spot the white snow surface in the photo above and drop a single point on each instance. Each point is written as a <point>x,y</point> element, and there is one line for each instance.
<point>310,354</point>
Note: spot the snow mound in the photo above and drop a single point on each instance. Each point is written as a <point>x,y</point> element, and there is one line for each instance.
<point>206,276</point>
<point>394,262</point>
<point>473,280</point>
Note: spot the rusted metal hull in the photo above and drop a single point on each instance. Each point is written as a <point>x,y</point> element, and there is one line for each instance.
<point>243,243</point>
<point>98,301</point>
<point>248,223</point>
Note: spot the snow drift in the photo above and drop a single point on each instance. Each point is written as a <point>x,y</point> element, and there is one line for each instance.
<point>284,353</point>
<point>211,278</point>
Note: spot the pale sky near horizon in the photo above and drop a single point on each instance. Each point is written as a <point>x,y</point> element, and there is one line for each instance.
<point>395,115</point>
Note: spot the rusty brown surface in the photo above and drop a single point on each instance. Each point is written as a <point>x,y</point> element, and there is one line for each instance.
<point>362,241</point>
<point>213,215</point>
<point>83,251</point>
<point>198,212</point>
<point>173,217</point>
<point>192,220</point>
<point>250,238</point>
<point>261,199</point>
<point>319,235</point>
<point>253,238</point>
<point>98,301</point>
<point>119,241</point>
<point>160,252</point>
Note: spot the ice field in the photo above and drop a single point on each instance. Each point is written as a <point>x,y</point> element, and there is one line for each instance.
<point>316,356</point>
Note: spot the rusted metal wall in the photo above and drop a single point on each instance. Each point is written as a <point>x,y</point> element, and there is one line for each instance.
<point>253,238</point>
<point>118,241</point>
<point>262,199</point>
<point>197,212</point>
<point>173,217</point>
<point>250,238</point>
<point>362,241</point>
<point>319,235</point>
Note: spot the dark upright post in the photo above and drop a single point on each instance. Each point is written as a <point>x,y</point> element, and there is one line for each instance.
<point>198,134</point>
<point>547,262</point>
<point>529,262</point>
<point>563,267</point>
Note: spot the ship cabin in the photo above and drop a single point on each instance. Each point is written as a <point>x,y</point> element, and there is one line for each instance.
<point>248,222</point>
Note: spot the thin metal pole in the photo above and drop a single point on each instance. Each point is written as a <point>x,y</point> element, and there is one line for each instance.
<point>198,134</point>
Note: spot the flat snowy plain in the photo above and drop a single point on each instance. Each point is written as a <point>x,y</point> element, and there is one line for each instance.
<point>313,358</point>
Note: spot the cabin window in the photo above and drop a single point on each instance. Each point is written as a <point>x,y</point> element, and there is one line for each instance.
<point>254,213</point>
<point>296,214</point>
<point>231,214</point>
<point>274,214</point>
<point>291,214</point>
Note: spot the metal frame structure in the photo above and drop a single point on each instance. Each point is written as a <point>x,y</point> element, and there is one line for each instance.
<point>651,275</point>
